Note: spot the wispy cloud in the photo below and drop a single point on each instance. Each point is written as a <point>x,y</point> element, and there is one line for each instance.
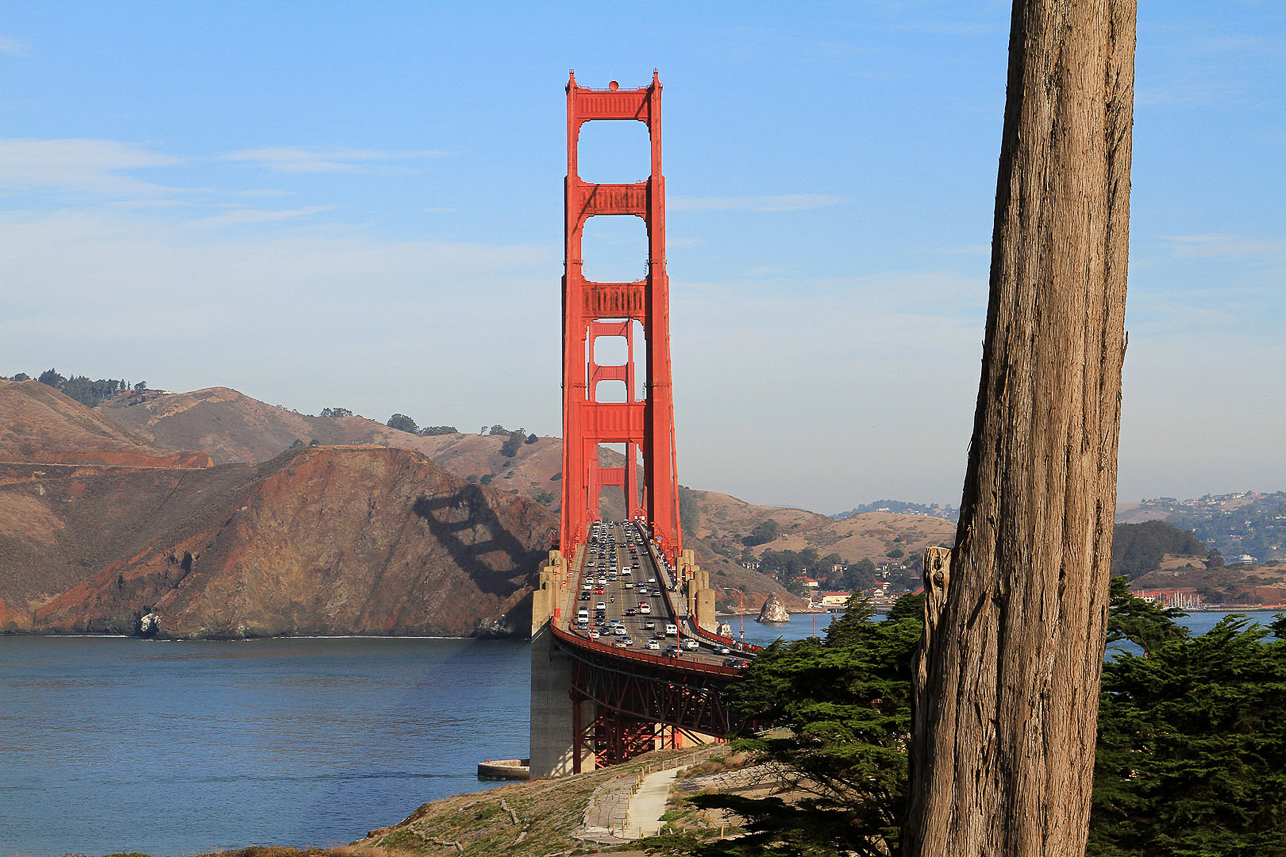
<point>241,216</point>
<point>299,159</point>
<point>780,202</point>
<point>79,166</point>
<point>1240,247</point>
<point>12,47</point>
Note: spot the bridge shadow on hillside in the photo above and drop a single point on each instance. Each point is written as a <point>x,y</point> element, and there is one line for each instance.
<point>466,511</point>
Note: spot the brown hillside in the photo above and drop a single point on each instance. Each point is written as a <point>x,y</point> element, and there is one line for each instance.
<point>40,424</point>
<point>725,520</point>
<point>231,427</point>
<point>317,541</point>
<point>234,428</point>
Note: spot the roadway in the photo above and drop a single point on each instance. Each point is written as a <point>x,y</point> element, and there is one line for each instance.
<point>621,601</point>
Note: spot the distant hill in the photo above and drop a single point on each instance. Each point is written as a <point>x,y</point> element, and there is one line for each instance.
<point>310,524</point>
<point>1140,548</point>
<point>726,521</point>
<point>41,424</point>
<point>316,541</point>
<point>900,507</point>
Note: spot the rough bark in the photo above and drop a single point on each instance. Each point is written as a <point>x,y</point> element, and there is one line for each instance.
<point>1003,750</point>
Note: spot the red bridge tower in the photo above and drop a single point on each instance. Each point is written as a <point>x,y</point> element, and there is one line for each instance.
<point>591,310</point>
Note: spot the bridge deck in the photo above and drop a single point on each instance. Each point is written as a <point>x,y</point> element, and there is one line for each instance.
<point>632,607</point>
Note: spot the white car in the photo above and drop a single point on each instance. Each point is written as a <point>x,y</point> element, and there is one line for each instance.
<point>602,605</point>
<point>654,644</point>
<point>690,644</point>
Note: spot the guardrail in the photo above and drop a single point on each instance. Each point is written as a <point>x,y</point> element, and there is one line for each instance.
<point>709,637</point>
<point>639,657</point>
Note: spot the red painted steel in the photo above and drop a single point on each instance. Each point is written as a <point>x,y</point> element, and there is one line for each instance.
<point>591,310</point>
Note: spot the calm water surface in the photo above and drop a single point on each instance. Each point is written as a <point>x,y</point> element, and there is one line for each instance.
<point>112,744</point>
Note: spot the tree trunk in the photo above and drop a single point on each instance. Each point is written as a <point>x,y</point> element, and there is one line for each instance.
<point>1003,752</point>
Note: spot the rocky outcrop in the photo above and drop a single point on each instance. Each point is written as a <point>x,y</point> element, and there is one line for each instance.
<point>317,541</point>
<point>773,612</point>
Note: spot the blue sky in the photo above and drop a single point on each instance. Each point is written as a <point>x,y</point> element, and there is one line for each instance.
<point>360,205</point>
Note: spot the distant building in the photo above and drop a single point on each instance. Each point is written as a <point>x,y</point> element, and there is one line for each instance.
<point>831,600</point>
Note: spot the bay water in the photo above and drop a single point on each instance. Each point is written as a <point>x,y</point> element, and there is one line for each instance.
<point>120,744</point>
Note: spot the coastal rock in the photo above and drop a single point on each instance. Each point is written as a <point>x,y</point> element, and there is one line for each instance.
<point>773,612</point>
<point>148,625</point>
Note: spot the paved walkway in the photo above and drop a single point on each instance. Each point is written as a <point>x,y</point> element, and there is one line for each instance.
<point>605,817</point>
<point>648,804</point>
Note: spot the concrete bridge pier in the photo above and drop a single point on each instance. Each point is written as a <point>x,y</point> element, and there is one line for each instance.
<point>700,595</point>
<point>555,716</point>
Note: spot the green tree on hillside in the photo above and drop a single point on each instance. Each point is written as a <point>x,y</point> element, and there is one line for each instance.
<point>514,440</point>
<point>1191,754</point>
<point>1139,548</point>
<point>763,533</point>
<point>689,511</point>
<point>859,575</point>
<point>402,422</point>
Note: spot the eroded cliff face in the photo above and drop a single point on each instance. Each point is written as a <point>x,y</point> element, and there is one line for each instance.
<point>316,541</point>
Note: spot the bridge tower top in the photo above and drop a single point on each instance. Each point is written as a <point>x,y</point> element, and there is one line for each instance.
<point>591,310</point>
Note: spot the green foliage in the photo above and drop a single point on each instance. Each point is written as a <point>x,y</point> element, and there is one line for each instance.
<point>1191,752</point>
<point>434,431</point>
<point>1146,624</point>
<point>486,478</point>
<point>531,438</point>
<point>843,711</point>
<point>544,498</point>
<point>1139,548</point>
<point>763,533</point>
<point>1192,747</point>
<point>790,567</point>
<point>402,422</point>
<point>859,575</point>
<point>497,430</point>
<point>513,440</point>
<point>689,511</point>
<point>897,553</point>
<point>335,413</point>
<point>52,378</point>
<point>89,393</point>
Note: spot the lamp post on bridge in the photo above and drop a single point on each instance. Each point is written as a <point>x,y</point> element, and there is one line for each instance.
<point>741,611</point>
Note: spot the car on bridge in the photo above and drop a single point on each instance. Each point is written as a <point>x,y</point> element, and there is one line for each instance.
<point>691,644</point>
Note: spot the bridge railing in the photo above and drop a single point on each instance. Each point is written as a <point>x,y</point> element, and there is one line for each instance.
<point>709,637</point>
<point>639,657</point>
